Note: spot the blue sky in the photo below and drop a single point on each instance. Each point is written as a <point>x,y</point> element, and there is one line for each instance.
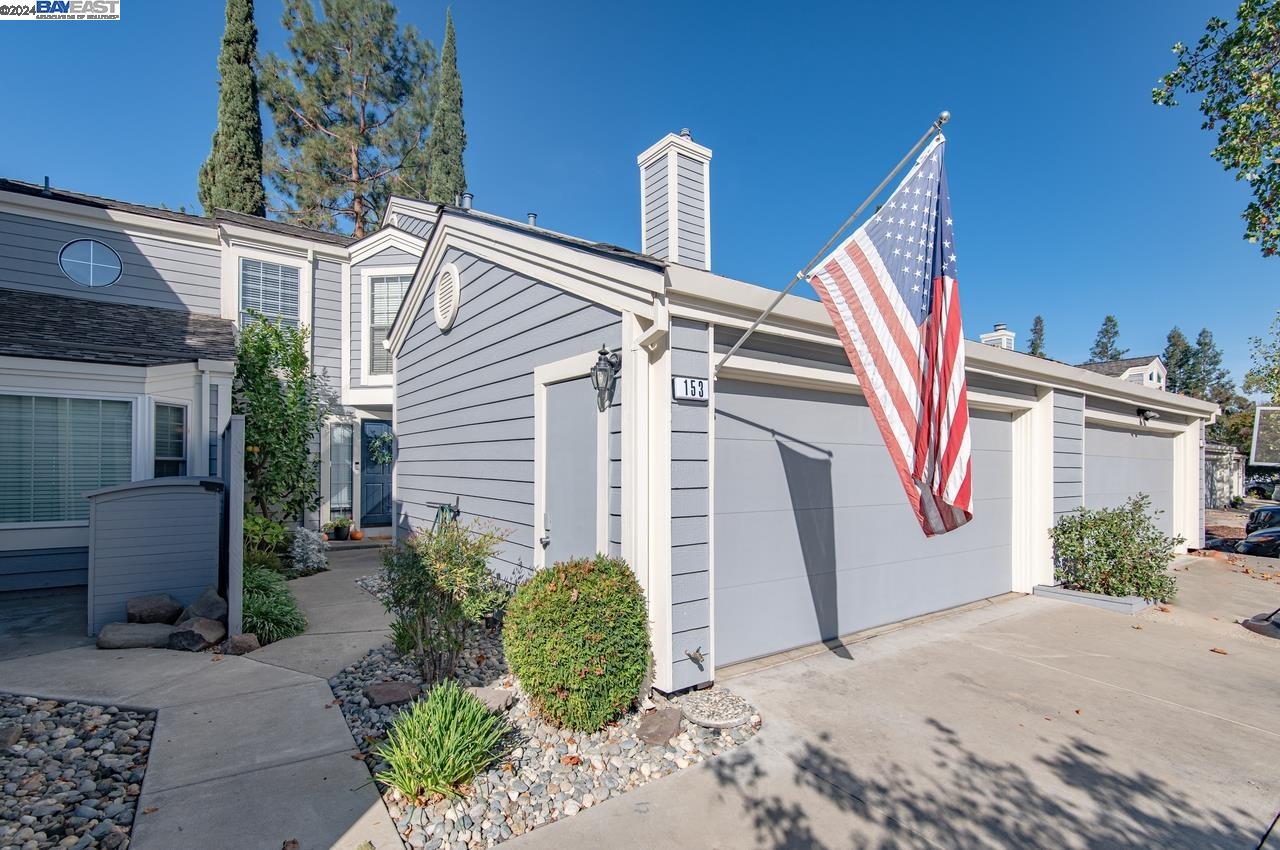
<point>1073,196</point>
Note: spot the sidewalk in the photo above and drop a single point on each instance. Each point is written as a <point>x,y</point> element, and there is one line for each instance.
<point>248,752</point>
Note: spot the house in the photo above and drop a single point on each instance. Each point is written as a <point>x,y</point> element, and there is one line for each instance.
<point>757,504</point>
<point>117,347</point>
<point>1147,371</point>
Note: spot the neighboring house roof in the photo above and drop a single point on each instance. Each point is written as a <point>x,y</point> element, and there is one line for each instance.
<point>58,327</point>
<point>22,188</point>
<point>1116,368</point>
<point>282,227</point>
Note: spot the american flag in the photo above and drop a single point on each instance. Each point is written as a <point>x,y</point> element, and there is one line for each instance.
<point>891,291</point>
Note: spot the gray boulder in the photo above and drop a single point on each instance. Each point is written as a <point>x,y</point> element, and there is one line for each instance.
<point>391,693</point>
<point>208,605</point>
<point>240,644</point>
<point>660,726</point>
<point>154,608</point>
<point>9,735</point>
<point>134,635</point>
<point>197,634</point>
<point>494,699</point>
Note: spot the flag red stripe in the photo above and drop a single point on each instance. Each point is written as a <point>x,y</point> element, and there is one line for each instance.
<point>908,351</point>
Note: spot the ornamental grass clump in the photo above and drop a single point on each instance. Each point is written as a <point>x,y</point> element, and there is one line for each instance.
<point>1115,551</point>
<point>437,745</point>
<point>576,635</point>
<point>270,610</point>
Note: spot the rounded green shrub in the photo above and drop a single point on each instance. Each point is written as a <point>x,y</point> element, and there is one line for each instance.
<point>270,610</point>
<point>577,637</point>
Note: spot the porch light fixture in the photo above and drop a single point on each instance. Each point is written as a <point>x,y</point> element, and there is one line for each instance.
<point>604,375</point>
<point>1147,415</point>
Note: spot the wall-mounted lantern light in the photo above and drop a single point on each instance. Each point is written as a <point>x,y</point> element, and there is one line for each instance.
<point>1147,415</point>
<point>604,375</point>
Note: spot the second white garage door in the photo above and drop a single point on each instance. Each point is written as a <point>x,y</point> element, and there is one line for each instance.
<point>814,537</point>
<point>1120,463</point>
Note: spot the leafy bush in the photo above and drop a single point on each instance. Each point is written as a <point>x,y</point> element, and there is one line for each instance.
<point>402,637</point>
<point>577,637</point>
<point>439,743</point>
<point>264,535</point>
<point>438,585</point>
<point>270,611</point>
<point>1115,551</point>
<point>263,560</point>
<point>308,552</point>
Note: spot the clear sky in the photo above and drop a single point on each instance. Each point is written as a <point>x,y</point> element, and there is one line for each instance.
<point>1073,196</point>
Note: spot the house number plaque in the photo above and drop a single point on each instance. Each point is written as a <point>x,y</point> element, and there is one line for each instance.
<point>689,389</point>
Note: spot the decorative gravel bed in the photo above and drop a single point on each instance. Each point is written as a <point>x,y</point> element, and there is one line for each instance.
<point>549,773</point>
<point>71,773</point>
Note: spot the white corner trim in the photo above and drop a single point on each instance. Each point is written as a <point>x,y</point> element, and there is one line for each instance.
<point>673,141</point>
<point>577,366</point>
<point>367,379</point>
<point>673,205</point>
<point>1032,502</point>
<point>711,502</point>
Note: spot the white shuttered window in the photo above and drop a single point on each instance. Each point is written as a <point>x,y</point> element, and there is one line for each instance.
<point>54,450</point>
<point>270,289</point>
<point>385,294</point>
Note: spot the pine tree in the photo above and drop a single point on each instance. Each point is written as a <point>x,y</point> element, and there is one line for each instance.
<point>1206,376</point>
<point>352,111</point>
<point>1035,346</point>
<point>1104,346</point>
<point>1177,356</point>
<point>231,178</point>
<point>446,176</point>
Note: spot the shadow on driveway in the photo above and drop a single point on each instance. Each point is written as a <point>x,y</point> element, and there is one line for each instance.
<point>36,621</point>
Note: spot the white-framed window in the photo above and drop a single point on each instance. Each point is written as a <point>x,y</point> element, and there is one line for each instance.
<point>54,450</point>
<point>170,440</point>
<point>341,470</point>
<point>382,289</point>
<point>385,294</point>
<point>90,263</point>
<point>272,289</point>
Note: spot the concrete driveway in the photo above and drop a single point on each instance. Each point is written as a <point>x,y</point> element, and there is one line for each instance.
<point>1026,723</point>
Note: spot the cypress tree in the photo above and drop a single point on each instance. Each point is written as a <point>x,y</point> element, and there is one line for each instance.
<point>231,178</point>
<point>445,175</point>
<point>351,105</point>
<point>1177,357</point>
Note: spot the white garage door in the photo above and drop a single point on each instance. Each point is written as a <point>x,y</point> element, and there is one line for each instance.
<point>813,535</point>
<point>1119,463</point>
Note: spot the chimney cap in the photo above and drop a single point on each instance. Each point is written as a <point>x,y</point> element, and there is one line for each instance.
<point>1000,326</point>
<point>466,199</point>
<point>686,133</point>
<point>533,219</point>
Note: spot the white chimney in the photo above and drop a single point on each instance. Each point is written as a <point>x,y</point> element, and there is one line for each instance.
<point>1000,336</point>
<point>675,200</point>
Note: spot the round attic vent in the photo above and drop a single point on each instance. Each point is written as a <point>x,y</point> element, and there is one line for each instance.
<point>448,296</point>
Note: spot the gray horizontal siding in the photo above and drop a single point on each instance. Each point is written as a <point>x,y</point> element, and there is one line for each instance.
<point>464,400</point>
<point>326,322</point>
<point>32,569</point>
<point>156,272</point>
<point>382,259</point>
<point>690,510</point>
<point>615,473</point>
<point>654,204</point>
<point>1068,452</point>
<point>692,213</point>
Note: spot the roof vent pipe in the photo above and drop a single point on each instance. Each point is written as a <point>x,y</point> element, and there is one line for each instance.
<point>467,198</point>
<point>533,219</point>
<point>46,190</point>
<point>686,134</point>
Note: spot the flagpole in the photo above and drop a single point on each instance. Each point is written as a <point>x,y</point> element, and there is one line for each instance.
<point>803,274</point>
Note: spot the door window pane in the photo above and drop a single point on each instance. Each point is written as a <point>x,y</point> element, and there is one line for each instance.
<point>340,470</point>
<point>171,441</point>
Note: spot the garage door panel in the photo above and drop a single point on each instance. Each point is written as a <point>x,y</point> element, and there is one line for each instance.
<point>1120,463</point>
<point>786,475</point>
<point>814,537</point>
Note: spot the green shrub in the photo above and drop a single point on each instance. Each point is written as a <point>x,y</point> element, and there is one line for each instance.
<point>577,637</point>
<point>403,637</point>
<point>1115,551</point>
<point>265,535</point>
<point>270,611</point>
<point>263,560</point>
<point>440,743</point>
<point>438,586</point>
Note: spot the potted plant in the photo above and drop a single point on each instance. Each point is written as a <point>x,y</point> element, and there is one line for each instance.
<point>338,529</point>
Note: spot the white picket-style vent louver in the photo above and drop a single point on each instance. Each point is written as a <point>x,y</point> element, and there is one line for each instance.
<point>448,296</point>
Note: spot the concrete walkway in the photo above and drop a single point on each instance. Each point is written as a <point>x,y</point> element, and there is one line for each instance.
<point>247,753</point>
<point>1029,723</point>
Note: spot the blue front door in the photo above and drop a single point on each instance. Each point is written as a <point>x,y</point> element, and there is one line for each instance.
<point>375,478</point>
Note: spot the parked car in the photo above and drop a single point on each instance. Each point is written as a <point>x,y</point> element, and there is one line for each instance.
<point>1262,486</point>
<point>1265,517</point>
<point>1265,543</point>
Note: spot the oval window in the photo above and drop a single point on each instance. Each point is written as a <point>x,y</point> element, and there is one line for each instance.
<point>89,263</point>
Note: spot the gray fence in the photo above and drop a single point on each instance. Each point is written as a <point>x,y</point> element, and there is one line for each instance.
<point>233,523</point>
